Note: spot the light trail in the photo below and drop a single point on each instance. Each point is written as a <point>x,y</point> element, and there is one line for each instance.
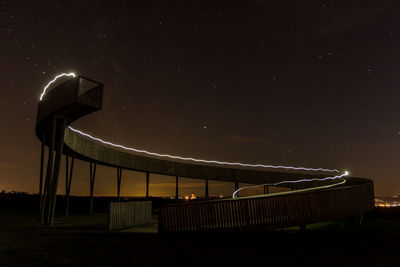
<point>203,160</point>
<point>52,81</point>
<point>346,173</point>
<point>343,180</point>
<point>200,160</point>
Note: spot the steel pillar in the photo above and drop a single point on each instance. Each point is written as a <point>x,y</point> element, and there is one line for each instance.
<point>147,184</point>
<point>176,188</point>
<point>119,177</point>
<point>236,185</point>
<point>92,180</point>
<point>206,194</point>
<point>68,180</point>
<point>44,203</point>
<point>61,124</point>
<point>41,175</point>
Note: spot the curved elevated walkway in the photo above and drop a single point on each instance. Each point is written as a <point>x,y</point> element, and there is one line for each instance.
<point>80,96</point>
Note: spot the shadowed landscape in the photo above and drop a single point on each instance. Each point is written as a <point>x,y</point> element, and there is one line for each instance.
<point>83,240</point>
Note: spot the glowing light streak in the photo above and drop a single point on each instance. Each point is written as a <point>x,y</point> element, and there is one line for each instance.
<point>52,81</point>
<point>293,182</point>
<point>299,190</point>
<point>199,160</point>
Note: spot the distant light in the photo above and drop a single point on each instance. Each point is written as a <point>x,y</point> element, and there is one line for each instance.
<point>52,81</point>
<point>346,173</point>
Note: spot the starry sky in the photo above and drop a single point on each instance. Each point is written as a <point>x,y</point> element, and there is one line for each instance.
<point>300,83</point>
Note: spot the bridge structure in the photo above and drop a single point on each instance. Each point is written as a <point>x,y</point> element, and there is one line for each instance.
<point>317,194</point>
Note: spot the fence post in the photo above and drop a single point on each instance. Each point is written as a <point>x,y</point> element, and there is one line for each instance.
<point>160,220</point>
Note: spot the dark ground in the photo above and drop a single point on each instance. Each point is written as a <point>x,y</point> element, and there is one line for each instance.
<point>80,240</point>
<point>83,240</point>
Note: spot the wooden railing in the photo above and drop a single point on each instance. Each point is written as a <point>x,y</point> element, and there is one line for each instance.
<point>124,215</point>
<point>294,209</point>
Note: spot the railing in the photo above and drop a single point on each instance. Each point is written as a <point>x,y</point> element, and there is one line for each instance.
<point>296,209</point>
<point>124,215</point>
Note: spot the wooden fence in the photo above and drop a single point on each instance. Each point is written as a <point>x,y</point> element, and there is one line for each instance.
<point>295,209</point>
<point>124,215</point>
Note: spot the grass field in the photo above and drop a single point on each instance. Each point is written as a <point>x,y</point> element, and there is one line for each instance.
<point>82,240</point>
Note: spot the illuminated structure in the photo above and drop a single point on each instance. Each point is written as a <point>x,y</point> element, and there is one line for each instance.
<point>79,96</point>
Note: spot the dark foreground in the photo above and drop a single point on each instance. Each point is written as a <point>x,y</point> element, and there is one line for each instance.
<point>83,242</point>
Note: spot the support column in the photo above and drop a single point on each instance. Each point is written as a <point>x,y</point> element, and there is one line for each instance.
<point>45,197</point>
<point>92,180</point>
<point>61,124</point>
<point>206,194</point>
<point>68,181</point>
<point>147,184</point>
<point>176,188</point>
<point>119,177</point>
<point>41,175</point>
<point>236,185</point>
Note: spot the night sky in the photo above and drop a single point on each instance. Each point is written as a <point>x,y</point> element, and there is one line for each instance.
<point>298,83</point>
